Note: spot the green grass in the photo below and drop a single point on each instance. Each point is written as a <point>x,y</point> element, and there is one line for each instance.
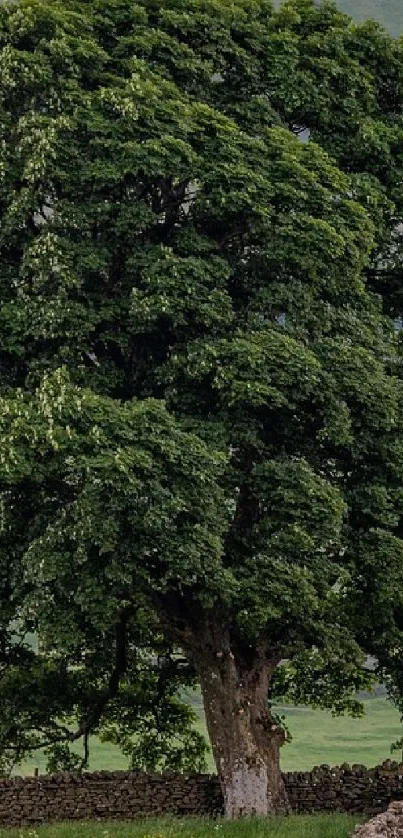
<point>317,738</point>
<point>315,826</point>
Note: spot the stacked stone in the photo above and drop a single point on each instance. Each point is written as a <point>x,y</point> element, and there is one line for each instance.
<point>112,795</point>
<point>387,825</point>
<point>124,795</point>
<point>354,789</point>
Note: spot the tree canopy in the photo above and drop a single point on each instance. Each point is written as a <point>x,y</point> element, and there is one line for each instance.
<point>200,426</point>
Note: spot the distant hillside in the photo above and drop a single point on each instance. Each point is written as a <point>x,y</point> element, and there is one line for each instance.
<point>388,12</point>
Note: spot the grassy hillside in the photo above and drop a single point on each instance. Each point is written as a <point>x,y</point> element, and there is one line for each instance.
<point>388,12</point>
<point>317,738</point>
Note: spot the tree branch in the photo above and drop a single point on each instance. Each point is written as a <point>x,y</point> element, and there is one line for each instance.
<point>110,690</point>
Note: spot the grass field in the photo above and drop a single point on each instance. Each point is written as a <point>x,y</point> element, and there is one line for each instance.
<point>317,738</point>
<point>316,826</point>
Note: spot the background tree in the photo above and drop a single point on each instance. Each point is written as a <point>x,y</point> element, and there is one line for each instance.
<point>352,106</point>
<point>348,92</point>
<point>201,420</point>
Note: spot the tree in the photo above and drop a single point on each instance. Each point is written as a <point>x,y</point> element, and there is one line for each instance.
<point>96,631</point>
<point>348,93</point>
<point>352,107</point>
<point>200,423</point>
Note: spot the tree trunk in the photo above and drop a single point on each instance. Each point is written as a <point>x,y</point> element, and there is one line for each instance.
<point>245,739</point>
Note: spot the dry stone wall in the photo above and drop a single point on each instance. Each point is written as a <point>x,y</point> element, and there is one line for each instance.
<point>121,795</point>
<point>116,795</point>
<point>354,789</point>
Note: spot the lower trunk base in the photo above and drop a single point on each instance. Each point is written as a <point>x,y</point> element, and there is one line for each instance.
<point>249,793</point>
<point>245,739</point>
<point>246,791</point>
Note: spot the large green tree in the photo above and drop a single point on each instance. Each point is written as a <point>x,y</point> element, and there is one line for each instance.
<point>200,451</point>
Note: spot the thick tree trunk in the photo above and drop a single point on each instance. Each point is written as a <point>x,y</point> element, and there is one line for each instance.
<point>245,739</point>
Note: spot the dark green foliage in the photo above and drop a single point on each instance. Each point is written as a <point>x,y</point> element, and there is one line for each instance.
<point>200,400</point>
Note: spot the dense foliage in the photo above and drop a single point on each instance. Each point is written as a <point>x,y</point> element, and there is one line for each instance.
<point>201,449</point>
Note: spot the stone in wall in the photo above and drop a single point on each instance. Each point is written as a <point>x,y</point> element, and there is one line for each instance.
<point>387,825</point>
<point>125,795</point>
<point>116,795</point>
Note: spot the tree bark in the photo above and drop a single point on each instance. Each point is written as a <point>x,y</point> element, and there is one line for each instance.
<point>244,737</point>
